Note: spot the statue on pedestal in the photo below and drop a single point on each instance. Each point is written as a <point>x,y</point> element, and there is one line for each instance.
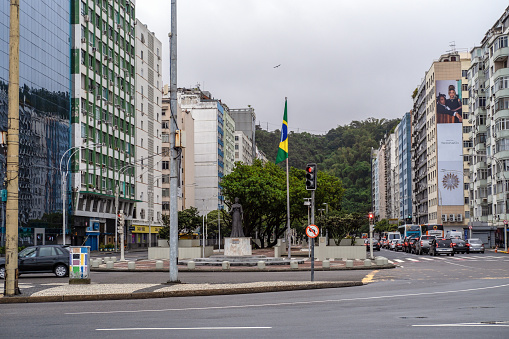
<point>237,215</point>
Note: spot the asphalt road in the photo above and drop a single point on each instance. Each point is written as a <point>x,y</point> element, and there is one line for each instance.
<point>451,297</point>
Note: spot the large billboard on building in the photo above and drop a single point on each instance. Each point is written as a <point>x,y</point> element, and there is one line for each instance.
<point>450,143</point>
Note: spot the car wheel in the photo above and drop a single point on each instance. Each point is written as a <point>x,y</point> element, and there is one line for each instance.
<point>452,254</point>
<point>482,252</point>
<point>60,270</point>
<point>2,272</point>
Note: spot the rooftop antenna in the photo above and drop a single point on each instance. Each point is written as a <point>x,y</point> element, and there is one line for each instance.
<point>452,44</point>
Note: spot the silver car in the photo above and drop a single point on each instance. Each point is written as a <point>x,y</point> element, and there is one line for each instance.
<point>475,245</point>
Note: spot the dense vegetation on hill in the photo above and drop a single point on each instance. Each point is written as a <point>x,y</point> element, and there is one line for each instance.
<point>343,152</point>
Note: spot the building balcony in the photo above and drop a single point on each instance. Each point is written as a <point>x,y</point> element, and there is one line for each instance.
<point>503,113</point>
<point>500,54</point>
<point>501,72</point>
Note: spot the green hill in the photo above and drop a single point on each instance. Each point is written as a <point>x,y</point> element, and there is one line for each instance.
<point>343,152</point>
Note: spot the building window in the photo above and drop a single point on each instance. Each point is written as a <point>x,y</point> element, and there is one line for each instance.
<point>165,137</point>
<point>165,192</point>
<point>166,165</point>
<point>165,124</point>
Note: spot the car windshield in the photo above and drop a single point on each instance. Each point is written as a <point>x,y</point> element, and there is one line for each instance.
<point>475,241</point>
<point>443,243</point>
<point>427,237</point>
<point>28,252</point>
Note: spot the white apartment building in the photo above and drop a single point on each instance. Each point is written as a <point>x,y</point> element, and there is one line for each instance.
<point>243,148</point>
<point>488,85</point>
<point>147,217</point>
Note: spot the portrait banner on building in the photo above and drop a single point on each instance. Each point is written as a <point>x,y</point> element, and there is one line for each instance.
<point>450,143</point>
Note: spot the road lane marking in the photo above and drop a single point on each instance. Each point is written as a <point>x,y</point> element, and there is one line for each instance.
<point>183,328</point>
<point>399,260</point>
<point>427,259</point>
<point>369,278</point>
<point>411,259</point>
<point>296,302</point>
<point>485,324</point>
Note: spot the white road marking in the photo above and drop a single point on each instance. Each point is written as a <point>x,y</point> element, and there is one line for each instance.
<point>399,260</point>
<point>181,328</point>
<point>427,258</point>
<point>411,259</point>
<point>390,261</point>
<point>296,302</point>
<point>496,324</point>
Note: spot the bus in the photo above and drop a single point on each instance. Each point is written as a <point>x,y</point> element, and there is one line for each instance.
<point>410,231</point>
<point>433,229</point>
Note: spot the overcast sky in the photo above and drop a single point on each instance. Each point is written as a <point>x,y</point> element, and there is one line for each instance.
<point>339,60</point>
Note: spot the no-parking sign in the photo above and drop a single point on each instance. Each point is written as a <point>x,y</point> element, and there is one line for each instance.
<point>312,231</point>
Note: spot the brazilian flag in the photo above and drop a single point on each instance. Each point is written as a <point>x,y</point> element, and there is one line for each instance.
<point>282,153</point>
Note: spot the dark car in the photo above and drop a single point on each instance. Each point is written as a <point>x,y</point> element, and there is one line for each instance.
<point>412,245</point>
<point>398,245</point>
<point>441,246</point>
<point>459,246</point>
<point>475,245</point>
<point>376,245</point>
<point>41,259</point>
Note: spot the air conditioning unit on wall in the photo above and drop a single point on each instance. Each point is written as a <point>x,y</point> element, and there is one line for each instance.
<point>452,217</point>
<point>459,217</point>
<point>444,217</point>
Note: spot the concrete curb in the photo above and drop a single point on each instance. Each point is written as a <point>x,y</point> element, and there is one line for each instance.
<point>246,269</point>
<point>170,294</point>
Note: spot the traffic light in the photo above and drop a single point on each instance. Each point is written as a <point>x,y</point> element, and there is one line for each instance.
<point>311,177</point>
<point>120,222</point>
<point>371,216</point>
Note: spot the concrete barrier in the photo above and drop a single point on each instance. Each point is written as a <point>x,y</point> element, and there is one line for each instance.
<point>349,263</point>
<point>225,265</point>
<point>326,264</point>
<point>159,264</point>
<point>114,259</point>
<point>294,264</point>
<point>323,252</point>
<point>131,265</point>
<point>106,259</point>
<point>95,263</point>
<point>379,261</point>
<point>110,264</point>
<point>261,264</point>
<point>191,265</point>
<point>367,262</point>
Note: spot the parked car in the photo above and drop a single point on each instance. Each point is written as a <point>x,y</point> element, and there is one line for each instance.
<point>459,246</point>
<point>441,246</point>
<point>422,245</point>
<point>475,245</point>
<point>41,259</point>
<point>376,245</point>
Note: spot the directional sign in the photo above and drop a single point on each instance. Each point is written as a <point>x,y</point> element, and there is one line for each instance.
<point>312,231</point>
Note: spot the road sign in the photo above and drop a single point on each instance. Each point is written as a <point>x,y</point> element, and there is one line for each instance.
<point>505,222</point>
<point>470,227</point>
<point>312,231</point>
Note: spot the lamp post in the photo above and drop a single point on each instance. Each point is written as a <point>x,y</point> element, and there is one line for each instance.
<point>63,175</point>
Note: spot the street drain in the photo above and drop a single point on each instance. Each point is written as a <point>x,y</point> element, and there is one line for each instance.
<point>413,317</point>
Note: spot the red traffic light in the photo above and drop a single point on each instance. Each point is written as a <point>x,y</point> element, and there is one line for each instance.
<point>370,215</point>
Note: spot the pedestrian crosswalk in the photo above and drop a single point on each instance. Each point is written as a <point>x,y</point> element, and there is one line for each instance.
<point>454,258</point>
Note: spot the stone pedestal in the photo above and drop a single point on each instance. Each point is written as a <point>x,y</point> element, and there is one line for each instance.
<point>237,246</point>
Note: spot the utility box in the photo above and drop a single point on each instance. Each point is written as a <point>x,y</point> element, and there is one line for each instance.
<point>180,138</point>
<point>79,265</point>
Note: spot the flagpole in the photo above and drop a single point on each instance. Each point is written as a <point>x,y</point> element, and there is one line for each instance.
<point>288,201</point>
<point>288,210</point>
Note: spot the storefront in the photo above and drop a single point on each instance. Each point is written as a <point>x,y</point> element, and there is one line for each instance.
<point>142,235</point>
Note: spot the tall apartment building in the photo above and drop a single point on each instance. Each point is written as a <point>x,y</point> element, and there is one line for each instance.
<point>378,179</point>
<point>103,116</point>
<point>245,121</point>
<point>229,142</point>
<point>420,157</point>
<point>210,142</point>
<point>186,182</point>
<point>391,176</point>
<point>404,168</point>
<point>243,148</point>
<point>488,86</point>
<point>44,115</point>
<point>147,216</point>
<point>442,113</point>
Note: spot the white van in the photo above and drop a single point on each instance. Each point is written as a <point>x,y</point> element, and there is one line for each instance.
<point>454,235</point>
<point>393,236</point>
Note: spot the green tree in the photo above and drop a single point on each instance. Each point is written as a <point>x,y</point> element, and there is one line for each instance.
<point>188,221</point>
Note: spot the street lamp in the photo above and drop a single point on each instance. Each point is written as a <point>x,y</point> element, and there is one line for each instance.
<point>63,175</point>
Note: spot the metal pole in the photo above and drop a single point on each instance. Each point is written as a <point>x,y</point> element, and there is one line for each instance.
<point>371,238</point>
<point>63,205</point>
<point>117,192</point>
<point>122,233</point>
<point>11,253</point>
<point>312,240</point>
<point>173,152</point>
<point>288,209</point>
<point>219,227</point>
<point>309,242</point>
